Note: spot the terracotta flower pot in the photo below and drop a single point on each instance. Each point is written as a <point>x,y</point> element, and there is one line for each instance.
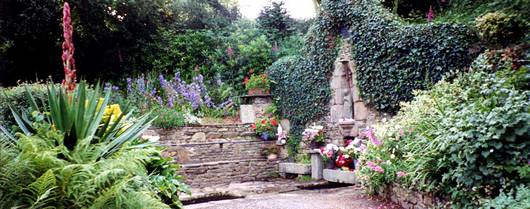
<point>258,91</point>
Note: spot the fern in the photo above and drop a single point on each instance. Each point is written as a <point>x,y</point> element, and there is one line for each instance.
<point>41,192</point>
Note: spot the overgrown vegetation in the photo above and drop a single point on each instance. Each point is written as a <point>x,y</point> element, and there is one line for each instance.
<point>76,151</point>
<point>393,59</point>
<point>459,138</point>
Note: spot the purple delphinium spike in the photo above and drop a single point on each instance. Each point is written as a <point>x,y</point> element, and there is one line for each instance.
<point>430,14</point>
<point>129,85</point>
<point>170,102</point>
<point>159,100</point>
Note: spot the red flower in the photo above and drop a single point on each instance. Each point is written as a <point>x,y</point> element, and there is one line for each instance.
<point>245,81</point>
<point>274,122</point>
<point>264,122</point>
<point>253,126</point>
<point>68,51</point>
<point>251,71</point>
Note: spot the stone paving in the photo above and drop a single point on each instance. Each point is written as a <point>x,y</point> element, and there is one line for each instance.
<point>350,197</point>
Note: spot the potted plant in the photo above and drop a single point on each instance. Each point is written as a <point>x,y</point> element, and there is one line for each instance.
<point>329,154</point>
<point>266,128</point>
<point>257,85</point>
<point>314,136</point>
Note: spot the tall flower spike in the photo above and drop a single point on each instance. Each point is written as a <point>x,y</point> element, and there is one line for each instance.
<point>68,51</point>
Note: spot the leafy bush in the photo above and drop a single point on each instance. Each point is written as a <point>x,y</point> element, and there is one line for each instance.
<point>257,82</point>
<point>512,200</point>
<point>110,36</point>
<point>17,97</point>
<point>168,118</point>
<point>466,140</point>
<point>499,28</point>
<point>275,21</point>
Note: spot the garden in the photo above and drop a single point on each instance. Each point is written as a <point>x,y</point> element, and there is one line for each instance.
<point>169,104</point>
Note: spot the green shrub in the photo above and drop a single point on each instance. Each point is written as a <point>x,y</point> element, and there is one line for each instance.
<point>466,140</point>
<point>168,118</point>
<point>498,28</point>
<point>511,200</point>
<point>274,21</point>
<point>18,98</point>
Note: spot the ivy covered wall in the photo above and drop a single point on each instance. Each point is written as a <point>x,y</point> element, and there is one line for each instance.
<point>393,59</point>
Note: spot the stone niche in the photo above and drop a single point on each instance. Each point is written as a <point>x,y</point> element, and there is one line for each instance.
<point>346,103</point>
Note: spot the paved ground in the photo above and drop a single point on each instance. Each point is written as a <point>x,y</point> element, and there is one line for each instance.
<point>336,198</point>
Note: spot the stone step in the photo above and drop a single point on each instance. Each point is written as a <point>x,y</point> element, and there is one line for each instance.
<point>224,172</point>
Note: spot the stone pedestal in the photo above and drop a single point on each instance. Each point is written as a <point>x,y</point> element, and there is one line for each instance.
<point>254,107</point>
<point>317,165</point>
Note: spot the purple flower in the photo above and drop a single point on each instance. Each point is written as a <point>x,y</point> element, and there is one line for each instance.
<point>401,174</point>
<point>159,100</point>
<point>129,85</point>
<point>163,81</point>
<point>430,14</point>
<point>170,102</point>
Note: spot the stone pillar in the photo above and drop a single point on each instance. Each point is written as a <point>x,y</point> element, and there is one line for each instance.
<point>317,165</point>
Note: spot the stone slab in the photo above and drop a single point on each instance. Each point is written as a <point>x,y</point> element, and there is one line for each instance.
<point>339,176</point>
<point>247,114</point>
<point>295,168</point>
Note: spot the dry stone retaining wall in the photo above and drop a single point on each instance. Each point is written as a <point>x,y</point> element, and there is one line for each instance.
<point>217,154</point>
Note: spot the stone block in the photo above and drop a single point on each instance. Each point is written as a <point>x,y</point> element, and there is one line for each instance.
<point>338,176</point>
<point>247,114</point>
<point>336,113</point>
<point>360,111</point>
<point>295,168</point>
<point>338,97</point>
<point>336,82</point>
<point>317,166</point>
<point>198,137</point>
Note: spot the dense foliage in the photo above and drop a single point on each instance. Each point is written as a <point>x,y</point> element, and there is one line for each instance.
<point>275,22</point>
<point>467,140</point>
<point>17,97</point>
<point>110,35</point>
<point>76,151</point>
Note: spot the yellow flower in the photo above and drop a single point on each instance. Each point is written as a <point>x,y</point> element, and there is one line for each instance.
<point>112,112</point>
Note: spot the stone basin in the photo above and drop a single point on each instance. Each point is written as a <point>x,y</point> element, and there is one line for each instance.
<point>339,176</point>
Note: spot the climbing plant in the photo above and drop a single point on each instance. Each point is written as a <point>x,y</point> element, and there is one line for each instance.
<point>392,59</point>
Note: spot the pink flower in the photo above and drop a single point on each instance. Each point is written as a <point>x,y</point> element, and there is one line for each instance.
<point>374,167</point>
<point>371,135</point>
<point>68,50</point>
<point>401,174</point>
<point>230,51</point>
<point>430,14</point>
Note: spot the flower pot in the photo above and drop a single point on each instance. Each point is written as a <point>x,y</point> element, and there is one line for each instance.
<point>257,91</point>
<point>330,164</point>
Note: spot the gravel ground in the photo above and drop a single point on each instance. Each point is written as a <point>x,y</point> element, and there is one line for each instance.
<point>337,198</point>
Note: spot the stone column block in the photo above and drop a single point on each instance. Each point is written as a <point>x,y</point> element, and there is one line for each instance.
<point>317,166</point>
<point>247,114</point>
<point>360,111</point>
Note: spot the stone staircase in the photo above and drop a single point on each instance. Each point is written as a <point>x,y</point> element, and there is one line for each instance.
<point>217,154</point>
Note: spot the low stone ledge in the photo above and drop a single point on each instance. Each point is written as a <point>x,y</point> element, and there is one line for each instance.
<point>410,199</point>
<point>295,168</point>
<point>339,176</point>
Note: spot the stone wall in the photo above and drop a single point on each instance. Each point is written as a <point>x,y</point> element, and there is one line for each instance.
<point>217,154</point>
<point>409,199</point>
